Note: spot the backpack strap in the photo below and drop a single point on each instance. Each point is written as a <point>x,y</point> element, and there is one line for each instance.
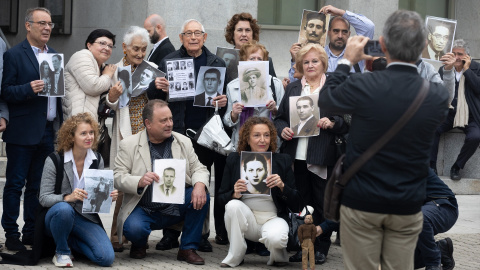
<point>58,161</point>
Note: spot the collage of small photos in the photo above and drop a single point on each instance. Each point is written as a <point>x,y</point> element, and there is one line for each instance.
<point>181,76</point>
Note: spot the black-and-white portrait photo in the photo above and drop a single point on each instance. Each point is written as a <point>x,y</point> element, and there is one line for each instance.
<point>253,78</point>
<point>210,83</point>
<point>171,187</point>
<point>304,115</point>
<point>255,167</point>
<point>99,185</point>
<point>124,76</point>
<point>180,77</point>
<point>51,72</point>
<point>313,27</point>
<point>440,37</point>
<point>231,58</point>
<point>143,75</point>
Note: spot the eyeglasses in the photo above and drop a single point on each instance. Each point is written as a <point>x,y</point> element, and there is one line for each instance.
<point>196,33</point>
<point>44,23</point>
<point>104,45</point>
<point>438,36</point>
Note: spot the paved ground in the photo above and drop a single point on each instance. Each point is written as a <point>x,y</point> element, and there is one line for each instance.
<point>465,235</point>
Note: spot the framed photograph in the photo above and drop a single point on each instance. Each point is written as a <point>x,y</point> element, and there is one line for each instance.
<point>143,75</point>
<point>210,83</point>
<point>61,11</point>
<point>180,73</point>
<point>98,185</point>
<point>51,72</point>
<point>231,58</point>
<point>124,75</point>
<point>304,115</point>
<point>254,78</point>
<point>313,27</point>
<point>171,187</point>
<point>440,37</point>
<point>255,167</point>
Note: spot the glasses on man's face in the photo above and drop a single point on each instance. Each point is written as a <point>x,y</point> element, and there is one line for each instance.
<point>196,33</point>
<point>104,45</point>
<point>44,24</point>
<point>438,36</point>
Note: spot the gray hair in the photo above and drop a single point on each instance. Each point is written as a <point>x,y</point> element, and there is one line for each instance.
<point>460,43</point>
<point>147,112</point>
<point>29,12</point>
<point>405,34</point>
<point>189,21</point>
<point>135,31</point>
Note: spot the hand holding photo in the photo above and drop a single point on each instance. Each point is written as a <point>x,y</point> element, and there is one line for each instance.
<point>51,72</point>
<point>171,187</point>
<point>255,168</point>
<point>98,186</point>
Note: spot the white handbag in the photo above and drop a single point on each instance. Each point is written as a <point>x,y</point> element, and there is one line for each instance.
<point>213,136</point>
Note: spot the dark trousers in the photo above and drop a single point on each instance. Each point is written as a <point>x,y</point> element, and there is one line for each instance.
<point>436,219</point>
<point>472,139</point>
<point>312,189</point>
<point>209,157</point>
<point>24,169</point>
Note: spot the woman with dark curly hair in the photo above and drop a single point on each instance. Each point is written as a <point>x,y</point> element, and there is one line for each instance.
<point>242,28</point>
<point>258,218</point>
<point>64,221</point>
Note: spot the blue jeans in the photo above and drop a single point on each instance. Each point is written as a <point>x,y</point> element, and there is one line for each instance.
<point>69,228</point>
<point>140,224</point>
<point>24,168</point>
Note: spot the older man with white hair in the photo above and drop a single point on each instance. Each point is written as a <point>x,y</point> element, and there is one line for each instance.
<point>186,116</point>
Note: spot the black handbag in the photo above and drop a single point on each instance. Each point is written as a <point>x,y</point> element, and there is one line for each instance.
<point>338,180</point>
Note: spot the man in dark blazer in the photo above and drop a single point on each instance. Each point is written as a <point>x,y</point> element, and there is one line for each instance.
<point>162,46</point>
<point>30,133</point>
<point>308,122</point>
<point>377,218</point>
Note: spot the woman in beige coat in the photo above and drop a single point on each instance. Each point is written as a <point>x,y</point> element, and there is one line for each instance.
<point>87,76</point>
<point>128,119</point>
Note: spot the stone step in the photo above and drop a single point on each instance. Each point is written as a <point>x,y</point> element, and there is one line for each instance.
<point>3,166</point>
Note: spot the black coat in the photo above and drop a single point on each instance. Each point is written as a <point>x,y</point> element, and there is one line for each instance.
<point>472,89</point>
<point>321,148</point>
<point>392,181</point>
<point>165,48</point>
<point>281,165</point>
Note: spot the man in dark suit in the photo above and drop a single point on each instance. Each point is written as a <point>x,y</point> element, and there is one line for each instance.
<point>59,85</point>
<point>465,114</point>
<point>30,133</point>
<point>211,81</point>
<point>162,46</point>
<point>167,187</point>
<point>308,122</point>
<point>377,218</point>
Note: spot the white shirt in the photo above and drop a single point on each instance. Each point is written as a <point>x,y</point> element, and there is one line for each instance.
<point>79,181</point>
<point>52,101</point>
<point>156,46</point>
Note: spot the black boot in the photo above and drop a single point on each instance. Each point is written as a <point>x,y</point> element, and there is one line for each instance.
<point>169,240</point>
<point>446,249</point>
<point>205,245</point>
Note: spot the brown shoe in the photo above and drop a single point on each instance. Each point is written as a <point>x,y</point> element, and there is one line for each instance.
<point>117,247</point>
<point>138,252</point>
<point>190,256</point>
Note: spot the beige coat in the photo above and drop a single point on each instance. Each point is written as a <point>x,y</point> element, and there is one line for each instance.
<point>133,161</point>
<point>122,127</point>
<point>83,84</point>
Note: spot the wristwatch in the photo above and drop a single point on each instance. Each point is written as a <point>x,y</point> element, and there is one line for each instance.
<point>344,61</point>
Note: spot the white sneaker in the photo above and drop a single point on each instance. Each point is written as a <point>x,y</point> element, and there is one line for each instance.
<point>62,260</point>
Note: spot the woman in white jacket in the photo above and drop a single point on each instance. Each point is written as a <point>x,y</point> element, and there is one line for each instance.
<point>87,76</point>
<point>128,119</point>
